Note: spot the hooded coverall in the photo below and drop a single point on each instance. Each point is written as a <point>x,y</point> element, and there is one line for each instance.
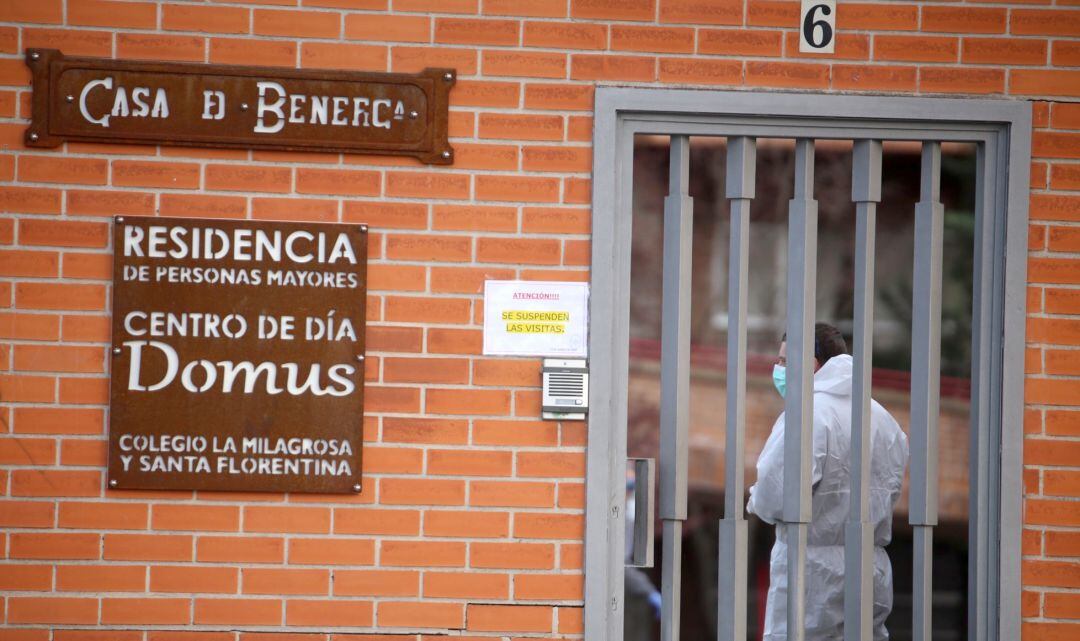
<point>831,482</point>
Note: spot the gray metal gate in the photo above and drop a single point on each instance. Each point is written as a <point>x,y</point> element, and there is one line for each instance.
<point>1001,133</point>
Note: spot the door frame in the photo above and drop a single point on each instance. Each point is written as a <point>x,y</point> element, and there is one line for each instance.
<point>1002,128</point>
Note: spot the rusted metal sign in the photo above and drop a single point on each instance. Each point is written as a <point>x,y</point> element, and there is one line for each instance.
<point>237,355</point>
<point>169,103</point>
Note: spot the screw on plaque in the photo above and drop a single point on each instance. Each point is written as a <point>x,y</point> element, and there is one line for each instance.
<point>360,357</point>
<point>33,137</point>
<point>243,106</point>
<point>448,77</point>
<point>120,220</point>
<point>414,115</point>
<point>363,228</point>
<point>446,154</point>
<point>356,488</point>
<point>113,483</point>
<point>70,98</point>
<point>117,351</point>
<point>35,55</point>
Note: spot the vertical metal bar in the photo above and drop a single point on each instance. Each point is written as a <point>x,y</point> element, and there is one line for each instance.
<point>731,591</point>
<point>675,378</point>
<point>983,363</point>
<point>644,512</point>
<point>925,382</point>
<point>859,537</point>
<point>798,403</point>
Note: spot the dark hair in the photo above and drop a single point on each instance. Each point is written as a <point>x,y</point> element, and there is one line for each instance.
<point>828,342</point>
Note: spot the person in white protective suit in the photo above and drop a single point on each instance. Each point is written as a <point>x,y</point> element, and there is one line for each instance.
<point>831,489</point>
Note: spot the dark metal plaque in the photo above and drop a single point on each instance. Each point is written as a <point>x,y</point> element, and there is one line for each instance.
<point>169,103</point>
<point>237,355</point>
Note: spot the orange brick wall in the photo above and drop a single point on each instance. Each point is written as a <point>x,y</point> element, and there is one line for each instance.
<point>472,516</point>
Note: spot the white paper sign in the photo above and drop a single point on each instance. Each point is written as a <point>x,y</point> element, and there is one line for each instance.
<point>531,318</point>
<point>817,26</point>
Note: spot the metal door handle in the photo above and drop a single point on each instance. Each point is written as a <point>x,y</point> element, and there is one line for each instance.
<point>644,512</point>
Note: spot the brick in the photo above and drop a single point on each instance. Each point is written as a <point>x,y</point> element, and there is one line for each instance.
<point>916,48</point>
<point>441,6</point>
<point>1064,176</point>
<point>477,32</point>
<point>1055,207</point>
<point>485,156</point>
<point>1061,483</point>
<point>84,391</point>
<point>194,579</point>
<point>541,525</point>
<point>58,169</point>
<point>426,370</point>
<point>329,613</point>
<point>466,524</point>
<point>1003,51</point>
<point>609,67</point>
<point>33,264</point>
<point>422,491</point>
<point>1055,145</point>
<point>1041,22</point>
<point>427,185</point>
<point>293,209</point>
<point>25,514</point>
<point>695,71</point>
<point>729,12</point>
<point>533,251</point>
<point>1052,270</point>
<point>1064,239</point>
<point>551,464</point>
<point>525,373</point>
<point>521,126</point>
<point>27,451</point>
<point>772,14</point>
<point>468,401</point>
<point>536,556</point>
<point>376,522</point>
<point>548,96</point>
<point>511,494</point>
<point>413,59</point>
<point>154,47</point>
<point>248,178</point>
<point>454,341</point>
<point>376,583</point>
<point>392,399</point>
<point>60,296</point>
<point>49,11</point>
<point>422,553</point>
<point>643,10</point>
<point>421,309</point>
<point>213,518</point>
<point>947,19</point>
<point>99,203</point>
<point>245,51</point>
<point>286,581</point>
<point>524,64</point>
<point>414,614</point>
<point>203,206</point>
<point>738,42</point>
<point>846,47</point>
<point>532,189</point>
<point>300,24</point>
<point>55,483</point>
<point>428,248</point>
<point>103,516</point>
<point>1045,512</point>
<point>427,430</point>
<point>205,19</point>
<point>103,13</point>
<point>549,587</point>
<point>475,218</point>
<point>234,611</point>
<point>387,28</point>
<point>509,618</point>
<point>58,420</point>
<point>147,547</point>
<point>337,551</point>
<point>475,93</point>
<point>26,578</point>
<point>54,546</point>
<point>565,35</point>
<point>332,55</point>
<point>518,433</point>
<point>310,520</point>
<point>658,39</point>
<point>1062,543</point>
<point>1065,53</point>
<point>471,585</point>
<point>961,80</point>
<point>29,200</point>
<point>246,549</point>
<point>469,463</point>
<point>71,42</point>
<point>1048,573</point>
<point>52,610</point>
<point>787,74</point>
<point>1044,82</point>
<point>532,8</point>
<point>389,215</point>
<point>877,16</point>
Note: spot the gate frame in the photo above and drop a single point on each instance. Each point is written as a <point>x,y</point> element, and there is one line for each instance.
<point>1003,130</point>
